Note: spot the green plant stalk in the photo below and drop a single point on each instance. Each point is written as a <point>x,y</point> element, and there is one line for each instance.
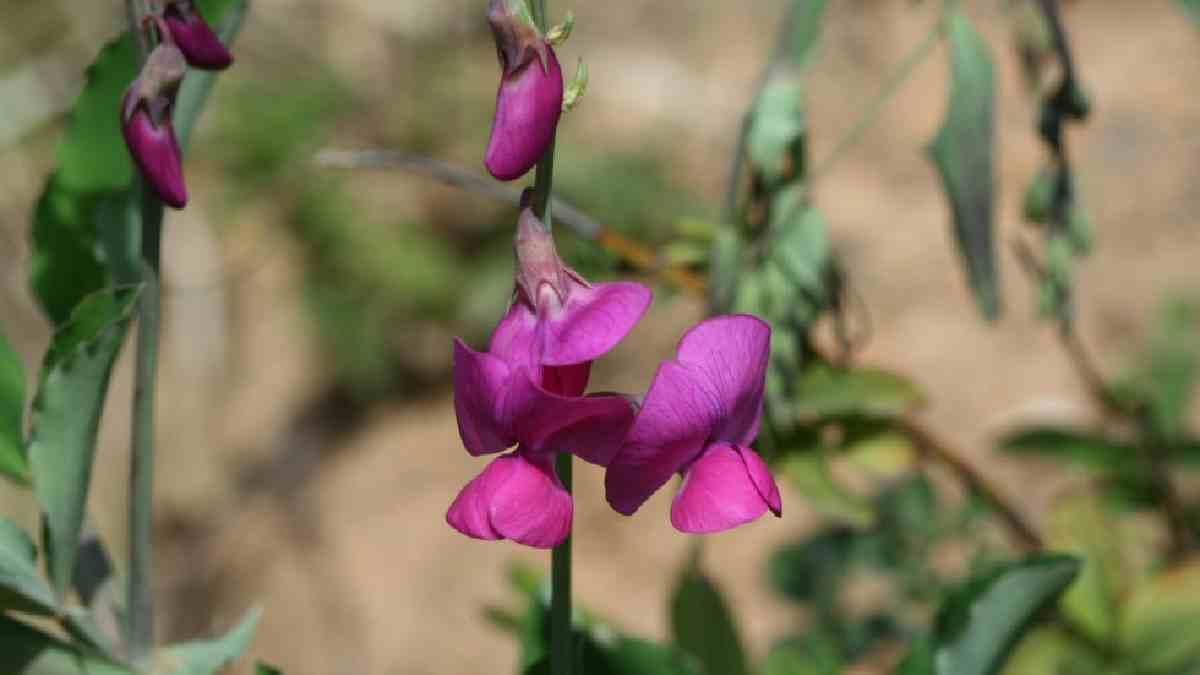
<point>139,602</point>
<point>561,658</point>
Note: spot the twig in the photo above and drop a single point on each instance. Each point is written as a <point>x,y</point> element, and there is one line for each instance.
<point>633,252</point>
<point>939,450</point>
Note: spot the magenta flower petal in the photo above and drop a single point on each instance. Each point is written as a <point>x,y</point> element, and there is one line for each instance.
<point>199,44</point>
<point>763,481</point>
<point>480,396</point>
<point>729,356</point>
<point>718,493</point>
<point>669,432</point>
<point>528,106</point>
<point>593,321</point>
<point>156,153</point>
<point>566,380</point>
<point>591,427</point>
<point>515,336</point>
<point>515,498</point>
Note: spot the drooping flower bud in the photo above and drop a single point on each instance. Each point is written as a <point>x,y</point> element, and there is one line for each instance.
<point>146,124</point>
<point>199,44</point>
<point>529,100</point>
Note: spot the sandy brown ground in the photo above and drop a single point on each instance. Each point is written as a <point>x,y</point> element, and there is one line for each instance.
<point>359,574</point>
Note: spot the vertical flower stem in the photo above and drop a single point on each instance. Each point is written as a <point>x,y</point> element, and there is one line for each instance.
<point>139,608</point>
<point>561,653</point>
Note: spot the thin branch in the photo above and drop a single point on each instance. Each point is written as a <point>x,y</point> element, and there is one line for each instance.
<point>938,449</point>
<point>633,252</point>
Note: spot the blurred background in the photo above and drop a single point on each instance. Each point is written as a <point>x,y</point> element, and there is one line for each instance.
<point>307,435</point>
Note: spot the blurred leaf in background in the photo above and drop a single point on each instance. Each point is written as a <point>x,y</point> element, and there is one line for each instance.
<point>13,462</point>
<point>703,625</point>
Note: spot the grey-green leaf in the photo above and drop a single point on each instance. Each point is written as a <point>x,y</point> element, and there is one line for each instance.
<point>776,134</point>
<point>12,413</point>
<point>703,626</point>
<point>66,417</point>
<point>21,587</point>
<point>963,152</point>
<point>27,651</point>
<point>823,390</point>
<point>1070,445</point>
<point>1191,8</point>
<point>979,624</point>
<point>206,657</point>
<point>805,28</point>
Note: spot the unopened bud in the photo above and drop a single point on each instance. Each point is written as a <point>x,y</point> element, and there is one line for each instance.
<point>540,275</point>
<point>147,127</point>
<point>194,37</point>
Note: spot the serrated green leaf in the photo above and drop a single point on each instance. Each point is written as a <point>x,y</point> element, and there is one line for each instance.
<point>1070,445</point>
<point>66,417</point>
<point>27,651</point>
<point>805,29</point>
<point>963,152</point>
<point>775,138</point>
<point>703,625</point>
<point>823,390</point>
<point>21,587</point>
<point>1159,622</point>
<point>979,623</point>
<point>206,657</point>
<point>13,463</point>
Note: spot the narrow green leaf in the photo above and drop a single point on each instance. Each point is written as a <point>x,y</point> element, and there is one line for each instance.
<point>1069,445</point>
<point>962,153</point>
<point>1079,525</point>
<point>264,669</point>
<point>27,651</point>
<point>21,587</point>
<point>724,269</point>
<point>1159,621</point>
<point>66,417</point>
<point>702,625</point>
<point>978,624</point>
<point>206,657</point>
<point>805,28</point>
<point>823,390</point>
<point>12,414</point>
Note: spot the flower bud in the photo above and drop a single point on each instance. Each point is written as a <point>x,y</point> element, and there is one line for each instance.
<point>529,100</point>
<point>146,124</point>
<point>199,44</point>
<point>541,275</point>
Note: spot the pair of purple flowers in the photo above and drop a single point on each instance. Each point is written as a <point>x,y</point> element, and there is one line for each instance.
<point>698,418</point>
<point>184,38</point>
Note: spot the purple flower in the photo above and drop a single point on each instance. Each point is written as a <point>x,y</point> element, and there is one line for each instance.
<point>199,44</point>
<point>529,101</point>
<point>526,390</point>
<point>699,418</point>
<point>146,124</point>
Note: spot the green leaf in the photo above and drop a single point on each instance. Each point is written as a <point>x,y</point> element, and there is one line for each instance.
<point>702,624</point>
<point>775,138</point>
<point>962,153</point>
<point>805,29</point>
<point>12,414</point>
<point>1191,8</point>
<point>1069,445</point>
<point>824,390</point>
<point>800,248</point>
<point>66,417</point>
<point>1080,525</point>
<point>1160,619</point>
<point>206,657</point>
<point>1172,367</point>
<point>979,624</point>
<point>27,651</point>
<point>724,267</point>
<point>21,587</point>
<point>814,654</point>
<point>808,473</point>
<point>263,669</point>
<point>635,656</point>
<point>811,571</point>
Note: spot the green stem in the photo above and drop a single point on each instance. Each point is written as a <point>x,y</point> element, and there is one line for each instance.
<point>139,605</point>
<point>561,653</point>
<point>891,87</point>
